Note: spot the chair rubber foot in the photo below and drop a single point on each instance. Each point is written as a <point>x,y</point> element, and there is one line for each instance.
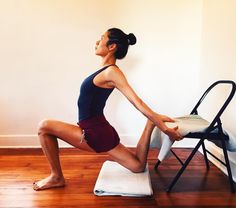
<point>157,164</point>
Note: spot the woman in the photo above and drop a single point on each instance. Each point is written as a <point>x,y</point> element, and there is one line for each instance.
<point>93,132</point>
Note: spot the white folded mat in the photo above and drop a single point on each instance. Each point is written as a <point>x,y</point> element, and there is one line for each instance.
<point>115,179</point>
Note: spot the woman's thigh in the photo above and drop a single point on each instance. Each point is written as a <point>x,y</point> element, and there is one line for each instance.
<point>69,133</point>
<point>126,158</point>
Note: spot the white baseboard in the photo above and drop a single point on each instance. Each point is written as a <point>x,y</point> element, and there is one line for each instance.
<point>219,153</point>
<point>18,141</point>
<point>23,141</point>
<point>32,141</point>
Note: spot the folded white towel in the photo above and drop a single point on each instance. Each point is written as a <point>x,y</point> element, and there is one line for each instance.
<point>162,142</point>
<point>115,179</point>
<point>195,123</point>
<point>189,123</point>
<point>186,124</point>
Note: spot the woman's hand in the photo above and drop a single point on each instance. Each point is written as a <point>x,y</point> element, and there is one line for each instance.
<point>171,132</point>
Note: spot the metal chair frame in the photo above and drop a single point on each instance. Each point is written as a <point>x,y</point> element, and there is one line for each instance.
<point>213,132</point>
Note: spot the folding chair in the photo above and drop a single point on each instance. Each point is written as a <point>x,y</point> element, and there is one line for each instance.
<point>213,132</point>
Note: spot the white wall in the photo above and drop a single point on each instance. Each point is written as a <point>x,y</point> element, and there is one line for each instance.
<point>218,61</point>
<point>219,50</point>
<point>47,49</point>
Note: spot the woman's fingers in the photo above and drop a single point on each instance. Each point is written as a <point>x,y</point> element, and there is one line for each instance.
<point>174,134</point>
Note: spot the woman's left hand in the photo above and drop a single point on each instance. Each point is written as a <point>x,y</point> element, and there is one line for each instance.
<point>171,132</point>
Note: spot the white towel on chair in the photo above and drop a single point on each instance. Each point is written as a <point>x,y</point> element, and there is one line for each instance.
<point>195,123</point>
<point>115,179</point>
<point>186,124</point>
<point>189,123</point>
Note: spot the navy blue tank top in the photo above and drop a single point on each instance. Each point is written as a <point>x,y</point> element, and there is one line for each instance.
<point>92,98</point>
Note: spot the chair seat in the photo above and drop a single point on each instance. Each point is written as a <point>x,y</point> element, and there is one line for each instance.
<point>189,123</point>
<point>210,136</point>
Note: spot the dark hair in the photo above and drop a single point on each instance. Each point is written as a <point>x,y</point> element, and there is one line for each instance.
<point>122,41</point>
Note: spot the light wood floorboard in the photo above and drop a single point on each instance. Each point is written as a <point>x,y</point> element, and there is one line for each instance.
<point>19,168</point>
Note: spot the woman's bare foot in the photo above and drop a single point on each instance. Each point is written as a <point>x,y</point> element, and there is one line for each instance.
<point>49,182</point>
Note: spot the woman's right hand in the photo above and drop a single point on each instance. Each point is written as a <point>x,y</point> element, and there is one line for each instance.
<point>171,132</point>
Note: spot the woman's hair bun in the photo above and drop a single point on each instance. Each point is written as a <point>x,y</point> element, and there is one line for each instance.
<point>131,39</point>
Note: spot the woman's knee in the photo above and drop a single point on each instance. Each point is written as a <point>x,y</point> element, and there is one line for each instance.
<point>43,126</point>
<point>138,168</point>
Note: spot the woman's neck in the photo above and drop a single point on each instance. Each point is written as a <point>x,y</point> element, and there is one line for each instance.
<point>108,60</point>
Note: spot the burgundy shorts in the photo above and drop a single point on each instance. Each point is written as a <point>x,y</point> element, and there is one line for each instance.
<point>99,134</point>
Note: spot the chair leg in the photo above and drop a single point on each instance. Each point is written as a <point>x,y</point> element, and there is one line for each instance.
<point>231,182</point>
<point>185,165</point>
<point>157,164</point>
<point>180,161</point>
<point>205,156</point>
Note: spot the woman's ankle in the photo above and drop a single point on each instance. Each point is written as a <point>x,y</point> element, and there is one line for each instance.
<point>57,177</point>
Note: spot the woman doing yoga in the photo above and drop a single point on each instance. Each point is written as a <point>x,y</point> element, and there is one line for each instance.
<point>93,132</point>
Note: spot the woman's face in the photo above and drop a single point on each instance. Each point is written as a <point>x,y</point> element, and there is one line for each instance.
<point>101,48</point>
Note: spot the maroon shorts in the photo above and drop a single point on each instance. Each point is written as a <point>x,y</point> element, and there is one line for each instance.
<point>99,134</point>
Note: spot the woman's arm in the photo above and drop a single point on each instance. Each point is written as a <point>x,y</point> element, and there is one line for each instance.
<point>116,78</point>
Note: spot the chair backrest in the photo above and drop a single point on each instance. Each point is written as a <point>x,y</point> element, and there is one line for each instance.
<point>225,104</point>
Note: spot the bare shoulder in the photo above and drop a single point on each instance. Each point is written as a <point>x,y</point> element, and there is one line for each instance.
<point>115,77</point>
<point>113,72</point>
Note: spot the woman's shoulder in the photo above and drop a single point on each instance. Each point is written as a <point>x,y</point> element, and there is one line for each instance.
<point>113,73</point>
<point>113,70</point>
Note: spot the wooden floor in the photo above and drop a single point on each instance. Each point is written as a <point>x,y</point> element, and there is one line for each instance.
<point>19,168</point>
